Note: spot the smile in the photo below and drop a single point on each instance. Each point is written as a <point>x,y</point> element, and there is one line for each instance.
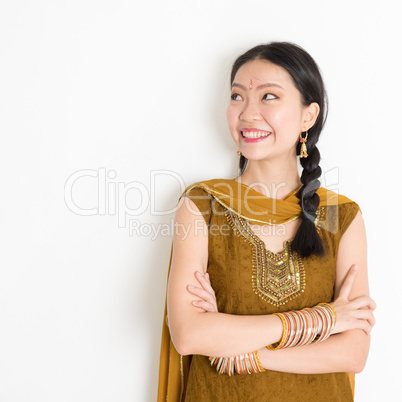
<point>250,135</point>
<point>255,134</point>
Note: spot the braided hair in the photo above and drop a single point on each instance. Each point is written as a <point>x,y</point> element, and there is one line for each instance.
<point>307,78</point>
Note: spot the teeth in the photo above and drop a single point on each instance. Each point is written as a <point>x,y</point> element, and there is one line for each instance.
<point>255,134</point>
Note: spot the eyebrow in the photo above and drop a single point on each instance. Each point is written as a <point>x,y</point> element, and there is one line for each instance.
<point>268,84</point>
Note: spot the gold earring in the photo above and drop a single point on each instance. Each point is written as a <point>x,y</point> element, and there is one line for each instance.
<point>303,149</point>
<point>239,153</point>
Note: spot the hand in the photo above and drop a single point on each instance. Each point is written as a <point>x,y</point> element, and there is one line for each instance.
<point>356,313</point>
<point>206,293</point>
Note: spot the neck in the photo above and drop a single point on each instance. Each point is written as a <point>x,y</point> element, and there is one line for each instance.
<point>275,179</point>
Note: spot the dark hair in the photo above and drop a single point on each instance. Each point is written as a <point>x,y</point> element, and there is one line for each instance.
<point>307,78</point>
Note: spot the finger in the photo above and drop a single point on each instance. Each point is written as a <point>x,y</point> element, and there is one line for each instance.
<point>365,326</point>
<point>200,278</point>
<point>192,289</point>
<point>365,315</point>
<point>371,320</point>
<point>356,323</point>
<point>204,306</point>
<point>201,293</point>
<point>347,285</point>
<point>363,302</point>
<point>368,316</point>
<point>360,320</point>
<point>204,283</point>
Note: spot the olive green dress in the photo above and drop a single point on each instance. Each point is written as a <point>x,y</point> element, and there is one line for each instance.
<point>248,279</point>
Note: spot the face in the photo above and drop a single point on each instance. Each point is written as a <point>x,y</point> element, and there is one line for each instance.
<point>266,114</point>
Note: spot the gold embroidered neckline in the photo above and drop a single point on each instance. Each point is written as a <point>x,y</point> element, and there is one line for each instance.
<point>277,277</point>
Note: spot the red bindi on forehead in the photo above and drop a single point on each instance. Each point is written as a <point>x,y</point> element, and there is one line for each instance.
<point>251,84</point>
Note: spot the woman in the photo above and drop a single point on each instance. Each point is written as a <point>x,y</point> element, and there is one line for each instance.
<point>268,290</point>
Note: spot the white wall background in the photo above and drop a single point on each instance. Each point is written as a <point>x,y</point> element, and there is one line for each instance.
<point>123,89</point>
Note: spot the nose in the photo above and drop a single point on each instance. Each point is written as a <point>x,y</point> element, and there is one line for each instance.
<point>250,112</point>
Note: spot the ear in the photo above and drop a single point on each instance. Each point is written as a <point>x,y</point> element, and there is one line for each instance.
<point>310,115</point>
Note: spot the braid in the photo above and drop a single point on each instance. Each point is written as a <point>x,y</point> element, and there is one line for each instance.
<point>307,240</point>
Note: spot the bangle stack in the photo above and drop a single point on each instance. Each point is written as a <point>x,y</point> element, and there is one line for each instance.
<point>248,363</point>
<point>301,327</point>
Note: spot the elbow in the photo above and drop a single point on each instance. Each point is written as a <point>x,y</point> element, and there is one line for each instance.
<point>181,347</point>
<point>189,340</point>
<point>181,341</point>
<point>349,363</point>
<point>356,356</point>
<point>358,365</point>
<point>183,351</point>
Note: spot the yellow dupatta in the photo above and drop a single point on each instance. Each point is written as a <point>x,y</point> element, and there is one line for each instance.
<point>256,208</point>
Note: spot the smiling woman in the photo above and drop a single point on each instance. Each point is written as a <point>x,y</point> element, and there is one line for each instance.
<point>255,314</point>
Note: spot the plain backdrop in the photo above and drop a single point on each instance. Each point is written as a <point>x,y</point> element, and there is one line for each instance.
<point>107,109</point>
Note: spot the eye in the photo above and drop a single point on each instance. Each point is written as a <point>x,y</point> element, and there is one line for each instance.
<point>269,97</point>
<point>235,97</point>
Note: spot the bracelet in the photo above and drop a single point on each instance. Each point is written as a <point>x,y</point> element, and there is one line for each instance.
<point>301,327</point>
<point>249,363</point>
<point>285,332</point>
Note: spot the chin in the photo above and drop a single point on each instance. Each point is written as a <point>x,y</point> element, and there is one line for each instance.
<point>256,156</point>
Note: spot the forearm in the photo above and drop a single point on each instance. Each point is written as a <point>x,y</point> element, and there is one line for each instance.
<point>218,334</point>
<point>345,352</point>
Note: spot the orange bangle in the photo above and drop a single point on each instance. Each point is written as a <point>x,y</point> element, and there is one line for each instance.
<point>259,364</point>
<point>333,310</point>
<point>292,325</point>
<point>298,328</point>
<point>285,333</point>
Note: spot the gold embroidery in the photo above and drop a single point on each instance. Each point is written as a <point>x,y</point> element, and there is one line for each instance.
<point>320,219</point>
<point>277,277</point>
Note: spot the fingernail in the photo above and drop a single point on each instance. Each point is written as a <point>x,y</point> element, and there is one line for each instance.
<point>355,267</point>
<point>190,287</point>
<point>194,302</point>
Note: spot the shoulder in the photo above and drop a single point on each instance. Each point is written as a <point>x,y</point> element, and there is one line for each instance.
<point>196,191</point>
<point>199,194</point>
<point>336,211</point>
<point>209,185</point>
<point>205,189</point>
